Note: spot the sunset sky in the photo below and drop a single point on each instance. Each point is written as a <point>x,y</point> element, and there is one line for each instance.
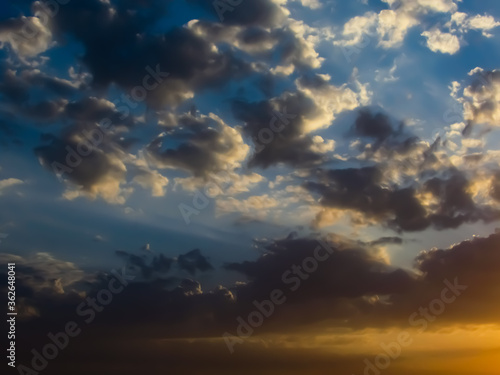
<point>252,186</point>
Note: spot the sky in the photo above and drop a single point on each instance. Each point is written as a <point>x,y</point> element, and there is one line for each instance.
<point>251,186</point>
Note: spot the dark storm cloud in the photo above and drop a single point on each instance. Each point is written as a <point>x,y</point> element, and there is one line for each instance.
<point>176,307</point>
<point>120,48</point>
<point>151,266</point>
<point>288,143</point>
<point>353,271</point>
<point>16,84</point>
<point>475,263</point>
<point>386,136</point>
<point>362,190</point>
<point>478,258</point>
<point>186,310</point>
<point>194,261</point>
<point>157,266</point>
<point>455,203</point>
<point>346,286</point>
<point>349,271</point>
<point>377,126</point>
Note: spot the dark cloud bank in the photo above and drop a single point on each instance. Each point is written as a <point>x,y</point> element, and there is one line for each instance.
<point>159,307</point>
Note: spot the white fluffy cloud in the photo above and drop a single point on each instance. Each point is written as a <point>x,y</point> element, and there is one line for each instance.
<point>463,22</point>
<point>27,36</point>
<point>437,41</point>
<point>391,25</point>
<point>153,180</point>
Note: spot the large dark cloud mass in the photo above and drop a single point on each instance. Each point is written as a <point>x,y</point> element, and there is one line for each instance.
<point>122,48</point>
<point>429,193</point>
<point>352,283</point>
<point>343,283</point>
<point>279,140</point>
<point>361,189</point>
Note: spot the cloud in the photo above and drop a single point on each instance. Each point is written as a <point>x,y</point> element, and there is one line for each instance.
<point>353,283</point>
<point>393,26</point>
<point>266,30</point>
<point>201,145</point>
<point>294,41</point>
<point>481,98</point>
<point>438,41</point>
<point>440,202</point>
<point>464,22</point>
<point>27,36</point>
<point>91,154</point>
<point>94,110</point>
<point>150,266</point>
<point>91,168</point>
<point>325,158</point>
<point>356,28</point>
<point>42,272</point>
<point>377,126</point>
<point>348,271</point>
<point>17,85</point>
<point>5,184</point>
<point>411,187</point>
<point>280,127</point>
<point>194,261</point>
<point>472,262</point>
<point>288,143</point>
<point>255,206</point>
<point>390,26</point>
<point>495,187</point>
<point>159,69</point>
<point>152,180</point>
<point>226,183</point>
<point>147,267</point>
